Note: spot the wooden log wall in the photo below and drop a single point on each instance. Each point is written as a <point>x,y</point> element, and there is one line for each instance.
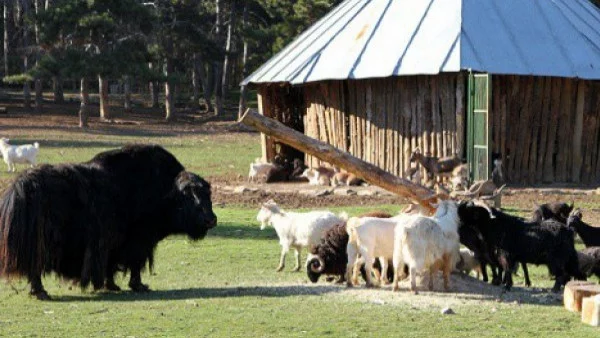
<point>382,121</point>
<point>285,104</point>
<point>546,128</point>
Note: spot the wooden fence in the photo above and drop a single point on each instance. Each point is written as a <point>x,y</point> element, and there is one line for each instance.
<point>547,129</point>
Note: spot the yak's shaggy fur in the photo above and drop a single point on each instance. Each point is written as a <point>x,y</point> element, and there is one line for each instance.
<point>87,221</point>
<point>517,241</point>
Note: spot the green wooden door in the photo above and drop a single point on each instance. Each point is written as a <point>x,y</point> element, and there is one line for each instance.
<point>478,126</point>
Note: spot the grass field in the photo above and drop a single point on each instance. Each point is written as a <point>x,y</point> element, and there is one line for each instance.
<point>226,286</point>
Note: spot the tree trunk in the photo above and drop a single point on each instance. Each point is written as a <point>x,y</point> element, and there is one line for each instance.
<point>369,172</point>
<point>244,89</point>
<point>127,93</point>
<point>195,82</point>
<point>153,86</point>
<point>169,104</point>
<point>85,103</point>
<point>228,45</point>
<point>39,94</point>
<point>57,88</point>
<point>22,11</point>
<point>105,113</point>
<point>206,84</point>
<point>218,65</point>
<point>6,36</point>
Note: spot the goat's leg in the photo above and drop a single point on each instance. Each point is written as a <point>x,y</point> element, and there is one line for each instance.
<point>298,250</point>
<point>384,268</point>
<point>350,266</point>
<point>432,271</point>
<point>446,270</point>
<point>398,265</point>
<point>526,273</point>
<point>368,269</point>
<point>284,251</point>
<point>508,271</point>
<point>413,280</point>
<point>484,274</point>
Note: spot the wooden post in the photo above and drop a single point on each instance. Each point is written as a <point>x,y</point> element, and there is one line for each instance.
<point>266,143</point>
<point>328,153</point>
<point>578,134</point>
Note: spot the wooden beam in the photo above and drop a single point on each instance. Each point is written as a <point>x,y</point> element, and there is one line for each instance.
<point>328,153</point>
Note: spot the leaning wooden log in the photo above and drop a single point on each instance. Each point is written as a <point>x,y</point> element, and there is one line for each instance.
<point>368,172</point>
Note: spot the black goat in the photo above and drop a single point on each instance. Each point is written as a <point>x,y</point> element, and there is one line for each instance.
<point>514,240</point>
<point>558,211</point>
<point>589,235</point>
<point>589,261</point>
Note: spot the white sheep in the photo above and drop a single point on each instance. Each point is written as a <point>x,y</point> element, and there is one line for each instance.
<point>371,238</point>
<point>468,262</point>
<point>427,244</point>
<point>297,230</point>
<point>258,170</point>
<point>26,153</point>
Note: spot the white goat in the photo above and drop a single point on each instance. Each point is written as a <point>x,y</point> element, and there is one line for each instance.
<point>258,170</point>
<point>427,243</point>
<point>468,262</point>
<point>317,176</point>
<point>297,230</point>
<point>26,153</point>
<point>371,238</point>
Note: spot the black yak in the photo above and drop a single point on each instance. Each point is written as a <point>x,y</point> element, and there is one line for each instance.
<point>87,221</point>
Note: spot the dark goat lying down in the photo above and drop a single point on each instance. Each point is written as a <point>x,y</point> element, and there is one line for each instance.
<point>514,241</point>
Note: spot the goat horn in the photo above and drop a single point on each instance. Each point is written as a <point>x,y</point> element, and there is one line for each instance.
<point>319,268</point>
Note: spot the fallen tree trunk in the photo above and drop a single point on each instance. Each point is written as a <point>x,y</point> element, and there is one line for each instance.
<point>370,173</point>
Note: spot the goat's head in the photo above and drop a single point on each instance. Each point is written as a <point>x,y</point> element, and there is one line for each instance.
<point>314,268</point>
<point>267,210</point>
<point>574,218</point>
<point>416,155</point>
<point>473,215</point>
<point>4,141</point>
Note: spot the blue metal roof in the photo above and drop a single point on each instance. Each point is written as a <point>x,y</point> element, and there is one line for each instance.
<point>379,38</point>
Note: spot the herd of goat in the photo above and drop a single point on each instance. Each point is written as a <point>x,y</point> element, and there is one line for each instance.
<point>447,174</point>
<point>384,247</point>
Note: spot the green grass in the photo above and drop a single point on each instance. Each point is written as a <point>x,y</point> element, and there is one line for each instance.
<point>226,286</point>
<point>205,154</point>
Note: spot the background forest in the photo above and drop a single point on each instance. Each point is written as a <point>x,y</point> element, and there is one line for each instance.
<point>182,53</point>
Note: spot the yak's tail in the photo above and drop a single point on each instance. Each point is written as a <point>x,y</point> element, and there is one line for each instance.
<point>22,251</point>
<point>36,145</point>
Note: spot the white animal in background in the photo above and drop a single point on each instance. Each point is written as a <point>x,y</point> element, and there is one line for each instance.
<point>258,170</point>
<point>12,154</point>
<point>318,176</point>
<point>297,229</point>
<point>468,262</point>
